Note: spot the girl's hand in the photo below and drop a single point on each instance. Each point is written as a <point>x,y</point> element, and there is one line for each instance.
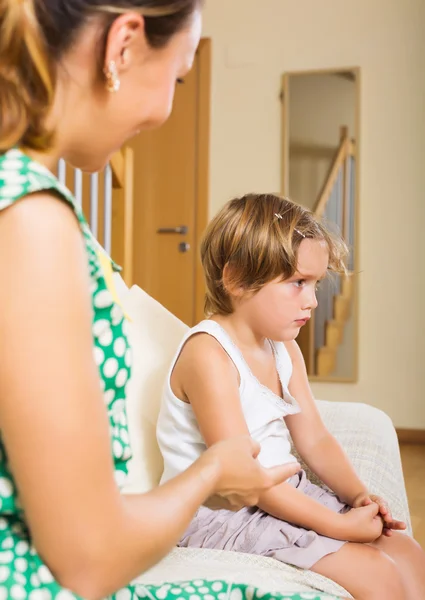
<point>390,524</point>
<point>240,478</point>
<point>362,524</point>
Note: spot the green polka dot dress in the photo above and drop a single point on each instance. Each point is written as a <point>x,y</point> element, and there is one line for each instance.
<point>23,575</point>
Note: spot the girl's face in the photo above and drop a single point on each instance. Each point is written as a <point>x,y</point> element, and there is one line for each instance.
<point>281,308</point>
<point>95,123</point>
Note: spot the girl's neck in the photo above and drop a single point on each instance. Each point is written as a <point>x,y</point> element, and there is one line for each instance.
<point>241,332</point>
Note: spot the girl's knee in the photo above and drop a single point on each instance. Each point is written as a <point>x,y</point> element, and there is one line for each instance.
<point>366,572</point>
<point>410,544</point>
<point>401,545</point>
<point>385,576</point>
<point>377,576</point>
<point>383,565</point>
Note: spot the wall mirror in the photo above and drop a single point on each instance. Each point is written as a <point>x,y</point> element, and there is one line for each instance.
<point>320,170</point>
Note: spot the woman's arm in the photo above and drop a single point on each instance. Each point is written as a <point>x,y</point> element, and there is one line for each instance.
<point>315,444</point>
<point>55,426</point>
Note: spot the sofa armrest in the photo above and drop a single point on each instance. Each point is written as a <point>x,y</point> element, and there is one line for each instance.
<point>370,441</point>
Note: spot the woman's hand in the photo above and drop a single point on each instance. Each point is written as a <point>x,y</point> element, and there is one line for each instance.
<point>240,478</point>
<point>390,524</point>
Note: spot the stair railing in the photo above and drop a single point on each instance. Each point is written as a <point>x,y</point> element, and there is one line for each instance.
<point>107,201</point>
<point>336,205</point>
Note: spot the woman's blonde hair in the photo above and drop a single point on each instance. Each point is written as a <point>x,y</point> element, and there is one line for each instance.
<point>257,238</point>
<point>34,35</point>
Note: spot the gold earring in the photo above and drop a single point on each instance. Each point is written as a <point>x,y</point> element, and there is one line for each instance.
<point>113,82</point>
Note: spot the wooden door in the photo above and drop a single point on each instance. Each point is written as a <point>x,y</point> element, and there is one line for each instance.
<point>170,203</point>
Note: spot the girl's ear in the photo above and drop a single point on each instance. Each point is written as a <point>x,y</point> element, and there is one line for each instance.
<point>230,283</point>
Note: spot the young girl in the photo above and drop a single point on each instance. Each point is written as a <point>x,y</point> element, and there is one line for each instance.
<point>241,371</point>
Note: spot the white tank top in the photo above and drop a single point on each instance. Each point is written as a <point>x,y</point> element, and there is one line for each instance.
<point>178,434</point>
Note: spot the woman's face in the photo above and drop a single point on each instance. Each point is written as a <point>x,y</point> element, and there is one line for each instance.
<point>93,123</point>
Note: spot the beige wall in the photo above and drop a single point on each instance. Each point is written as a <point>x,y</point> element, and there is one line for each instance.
<point>254,41</point>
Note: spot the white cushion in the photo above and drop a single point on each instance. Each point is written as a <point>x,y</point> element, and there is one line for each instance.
<point>155,335</point>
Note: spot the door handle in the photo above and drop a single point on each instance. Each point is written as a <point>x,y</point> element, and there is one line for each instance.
<point>181,230</point>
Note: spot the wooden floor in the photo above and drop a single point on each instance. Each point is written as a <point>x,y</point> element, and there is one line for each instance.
<point>413,458</point>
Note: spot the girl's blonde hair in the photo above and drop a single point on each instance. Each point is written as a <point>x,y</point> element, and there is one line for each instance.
<point>35,34</point>
<point>257,238</point>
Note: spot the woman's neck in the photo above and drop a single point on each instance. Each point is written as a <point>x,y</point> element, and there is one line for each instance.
<point>47,159</point>
<point>57,123</point>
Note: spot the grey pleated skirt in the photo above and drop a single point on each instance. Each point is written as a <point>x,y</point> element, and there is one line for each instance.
<point>253,531</point>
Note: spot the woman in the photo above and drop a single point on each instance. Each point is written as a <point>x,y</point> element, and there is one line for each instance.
<point>78,78</point>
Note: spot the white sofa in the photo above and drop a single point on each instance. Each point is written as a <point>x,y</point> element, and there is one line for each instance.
<point>366,433</point>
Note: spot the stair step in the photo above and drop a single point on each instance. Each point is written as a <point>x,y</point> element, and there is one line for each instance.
<point>342,306</point>
<point>334,334</point>
<point>347,286</point>
<point>326,357</point>
<point>326,361</point>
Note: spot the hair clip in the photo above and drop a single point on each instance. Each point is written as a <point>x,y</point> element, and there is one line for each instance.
<point>279,216</point>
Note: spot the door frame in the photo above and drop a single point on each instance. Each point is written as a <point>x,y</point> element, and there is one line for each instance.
<point>202,168</point>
